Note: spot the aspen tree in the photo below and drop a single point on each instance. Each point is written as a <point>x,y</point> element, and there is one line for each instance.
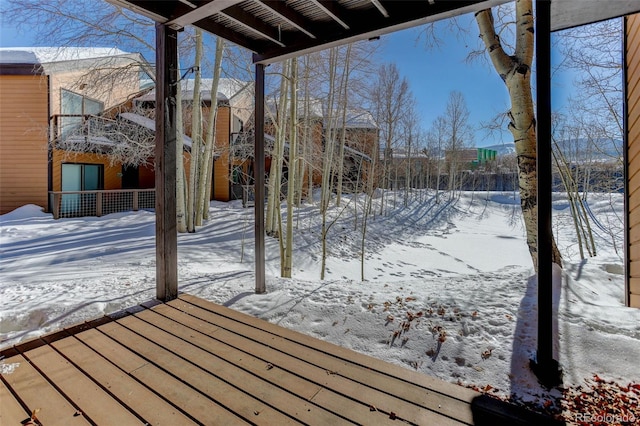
<point>515,71</point>
<point>209,147</point>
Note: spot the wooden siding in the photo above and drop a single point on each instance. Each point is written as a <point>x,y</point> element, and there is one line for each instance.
<point>194,362</point>
<point>107,92</point>
<point>112,173</point>
<point>146,177</point>
<point>24,122</point>
<point>221,164</point>
<point>632,56</point>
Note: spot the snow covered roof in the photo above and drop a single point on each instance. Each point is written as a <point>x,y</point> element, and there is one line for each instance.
<point>45,55</point>
<point>355,119</point>
<point>228,88</point>
<point>315,107</point>
<point>90,139</point>
<point>399,153</point>
<point>17,57</point>
<point>54,60</point>
<point>148,123</point>
<point>357,153</point>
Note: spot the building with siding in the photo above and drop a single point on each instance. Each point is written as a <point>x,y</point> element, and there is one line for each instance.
<point>49,96</point>
<point>632,90</point>
<point>45,92</point>
<point>235,109</point>
<point>24,105</point>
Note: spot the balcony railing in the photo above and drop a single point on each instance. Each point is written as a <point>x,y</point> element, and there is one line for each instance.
<point>100,203</point>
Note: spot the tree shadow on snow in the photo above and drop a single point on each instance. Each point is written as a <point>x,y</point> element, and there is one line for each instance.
<point>525,339</point>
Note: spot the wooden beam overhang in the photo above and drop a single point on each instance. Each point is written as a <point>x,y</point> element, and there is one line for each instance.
<point>213,27</point>
<point>253,24</point>
<point>207,9</point>
<point>572,13</point>
<point>381,8</point>
<point>293,28</point>
<point>290,16</point>
<point>334,11</point>
<point>362,24</point>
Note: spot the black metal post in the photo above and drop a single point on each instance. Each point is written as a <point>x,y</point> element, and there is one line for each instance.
<point>544,366</point>
<point>165,163</point>
<point>258,170</point>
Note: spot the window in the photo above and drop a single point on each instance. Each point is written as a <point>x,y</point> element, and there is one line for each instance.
<point>236,175</point>
<point>80,177</point>
<point>238,125</point>
<point>75,104</point>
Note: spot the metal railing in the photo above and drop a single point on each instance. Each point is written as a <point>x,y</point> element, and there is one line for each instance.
<point>100,203</point>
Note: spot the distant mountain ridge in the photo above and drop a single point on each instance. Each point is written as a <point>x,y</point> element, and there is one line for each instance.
<point>599,149</point>
<point>502,148</point>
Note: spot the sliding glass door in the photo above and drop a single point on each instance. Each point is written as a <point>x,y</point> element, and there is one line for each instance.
<point>80,177</point>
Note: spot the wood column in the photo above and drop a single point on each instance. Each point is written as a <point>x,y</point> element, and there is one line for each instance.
<point>165,163</point>
<point>258,170</point>
<point>544,366</point>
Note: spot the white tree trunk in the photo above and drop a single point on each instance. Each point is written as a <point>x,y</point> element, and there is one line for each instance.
<point>196,138</point>
<point>181,185</point>
<point>210,138</point>
<point>515,71</point>
<point>328,160</point>
<point>291,184</point>
<point>275,174</point>
<point>345,103</point>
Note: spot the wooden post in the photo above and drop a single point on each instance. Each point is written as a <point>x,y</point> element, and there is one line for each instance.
<point>136,202</point>
<point>98,203</point>
<point>258,170</point>
<point>57,203</point>
<point>166,231</point>
<point>544,366</point>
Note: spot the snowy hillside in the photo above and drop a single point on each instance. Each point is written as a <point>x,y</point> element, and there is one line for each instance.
<point>449,289</point>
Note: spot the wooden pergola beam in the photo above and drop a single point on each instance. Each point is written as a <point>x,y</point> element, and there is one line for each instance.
<point>226,33</point>
<point>333,10</point>
<point>251,23</point>
<point>166,134</point>
<point>290,15</point>
<point>202,12</point>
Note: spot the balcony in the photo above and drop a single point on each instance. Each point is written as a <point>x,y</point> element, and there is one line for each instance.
<point>100,203</point>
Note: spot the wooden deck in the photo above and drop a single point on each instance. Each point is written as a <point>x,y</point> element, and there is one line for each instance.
<point>190,361</point>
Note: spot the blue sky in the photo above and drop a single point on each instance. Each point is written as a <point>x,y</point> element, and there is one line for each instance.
<point>432,75</point>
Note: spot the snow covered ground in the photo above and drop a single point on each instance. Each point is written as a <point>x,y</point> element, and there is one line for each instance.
<point>449,288</point>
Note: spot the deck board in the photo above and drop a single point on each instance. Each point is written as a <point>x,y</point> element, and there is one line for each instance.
<point>125,388</point>
<point>197,378</point>
<point>95,403</point>
<point>374,389</point>
<point>11,412</point>
<point>174,391</point>
<point>191,361</point>
<point>39,396</point>
<point>300,378</point>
